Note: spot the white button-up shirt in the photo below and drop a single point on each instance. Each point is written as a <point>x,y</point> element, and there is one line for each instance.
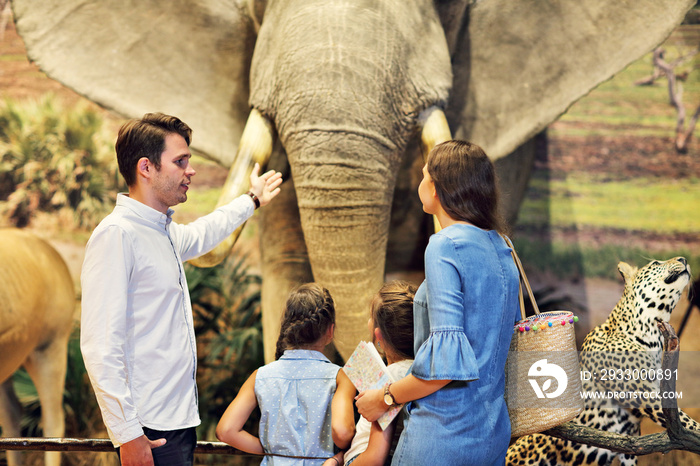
<point>137,335</point>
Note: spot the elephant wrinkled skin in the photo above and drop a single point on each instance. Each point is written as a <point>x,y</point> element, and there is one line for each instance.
<point>345,85</point>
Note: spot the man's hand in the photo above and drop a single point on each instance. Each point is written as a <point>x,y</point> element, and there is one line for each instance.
<point>137,452</point>
<point>265,186</point>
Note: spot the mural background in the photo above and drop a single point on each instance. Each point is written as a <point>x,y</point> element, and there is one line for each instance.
<point>608,186</point>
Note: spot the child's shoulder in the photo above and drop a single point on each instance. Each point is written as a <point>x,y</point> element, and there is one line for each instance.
<point>398,370</point>
<point>300,364</point>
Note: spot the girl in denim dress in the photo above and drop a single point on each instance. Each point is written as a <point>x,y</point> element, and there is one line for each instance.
<point>305,400</point>
<point>464,313</point>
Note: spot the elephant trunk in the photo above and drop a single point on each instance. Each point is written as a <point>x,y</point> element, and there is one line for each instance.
<point>344,187</point>
<point>344,83</point>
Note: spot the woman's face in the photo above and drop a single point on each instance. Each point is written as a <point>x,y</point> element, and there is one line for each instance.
<point>426,192</point>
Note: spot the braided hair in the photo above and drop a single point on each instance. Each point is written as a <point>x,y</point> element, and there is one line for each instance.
<point>309,313</point>
<point>392,313</point>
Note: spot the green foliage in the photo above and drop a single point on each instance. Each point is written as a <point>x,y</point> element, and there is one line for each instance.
<point>54,159</point>
<point>29,399</point>
<point>228,325</point>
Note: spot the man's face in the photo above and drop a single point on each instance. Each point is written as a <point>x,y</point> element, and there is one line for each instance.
<point>170,183</point>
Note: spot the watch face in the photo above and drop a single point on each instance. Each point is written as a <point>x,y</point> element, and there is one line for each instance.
<point>388,399</point>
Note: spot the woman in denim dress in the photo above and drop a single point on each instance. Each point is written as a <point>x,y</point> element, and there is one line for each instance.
<point>464,313</point>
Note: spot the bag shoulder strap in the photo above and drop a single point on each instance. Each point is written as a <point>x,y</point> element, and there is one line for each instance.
<point>523,280</point>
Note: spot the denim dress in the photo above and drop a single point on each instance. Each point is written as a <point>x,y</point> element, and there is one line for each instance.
<point>464,313</point>
<point>294,394</point>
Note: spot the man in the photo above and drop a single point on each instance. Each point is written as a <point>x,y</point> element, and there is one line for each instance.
<point>137,336</point>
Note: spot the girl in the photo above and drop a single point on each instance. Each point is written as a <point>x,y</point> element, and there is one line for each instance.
<point>391,326</point>
<point>305,401</point>
<point>464,313</point>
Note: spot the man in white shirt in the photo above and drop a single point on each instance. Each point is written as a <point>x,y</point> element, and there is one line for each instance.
<point>137,336</point>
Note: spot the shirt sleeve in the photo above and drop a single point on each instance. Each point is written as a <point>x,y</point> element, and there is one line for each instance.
<point>103,333</point>
<point>202,235</point>
<point>447,353</point>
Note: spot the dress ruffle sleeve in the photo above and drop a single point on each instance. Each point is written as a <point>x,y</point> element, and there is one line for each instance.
<point>446,355</point>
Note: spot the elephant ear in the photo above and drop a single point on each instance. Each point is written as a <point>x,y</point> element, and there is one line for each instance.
<point>518,65</point>
<point>188,58</point>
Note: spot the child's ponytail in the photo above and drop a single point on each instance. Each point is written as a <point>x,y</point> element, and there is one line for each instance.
<point>392,313</point>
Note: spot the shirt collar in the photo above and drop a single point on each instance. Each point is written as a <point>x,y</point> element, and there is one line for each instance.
<point>144,211</point>
<point>304,354</point>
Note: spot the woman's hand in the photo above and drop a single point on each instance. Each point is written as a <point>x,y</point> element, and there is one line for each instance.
<point>265,186</point>
<point>370,404</point>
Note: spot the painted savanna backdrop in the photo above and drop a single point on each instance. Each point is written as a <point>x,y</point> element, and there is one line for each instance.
<point>608,185</point>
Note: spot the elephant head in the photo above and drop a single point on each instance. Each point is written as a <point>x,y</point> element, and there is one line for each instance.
<point>342,92</point>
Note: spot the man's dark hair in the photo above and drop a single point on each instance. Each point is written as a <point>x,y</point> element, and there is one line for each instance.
<point>145,137</point>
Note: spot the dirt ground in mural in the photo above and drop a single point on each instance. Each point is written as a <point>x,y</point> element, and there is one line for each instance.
<point>616,157</point>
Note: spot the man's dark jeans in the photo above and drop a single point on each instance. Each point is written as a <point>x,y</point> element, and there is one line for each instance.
<point>178,449</point>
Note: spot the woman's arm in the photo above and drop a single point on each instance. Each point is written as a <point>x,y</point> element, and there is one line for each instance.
<point>230,427</point>
<point>370,403</point>
<point>342,415</point>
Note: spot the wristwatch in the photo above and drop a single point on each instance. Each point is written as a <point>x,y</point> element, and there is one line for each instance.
<point>255,199</point>
<point>388,397</point>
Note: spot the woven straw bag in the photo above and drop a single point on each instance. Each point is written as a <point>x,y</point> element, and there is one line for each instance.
<point>543,383</point>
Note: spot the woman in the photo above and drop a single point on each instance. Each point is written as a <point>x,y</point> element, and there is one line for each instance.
<point>464,313</point>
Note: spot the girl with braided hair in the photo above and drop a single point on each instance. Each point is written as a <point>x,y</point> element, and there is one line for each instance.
<point>305,400</point>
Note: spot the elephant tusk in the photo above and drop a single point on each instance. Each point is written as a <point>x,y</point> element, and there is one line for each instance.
<point>435,131</point>
<point>255,147</point>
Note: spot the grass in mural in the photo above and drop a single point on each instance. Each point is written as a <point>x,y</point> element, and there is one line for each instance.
<point>580,200</point>
<point>573,260</point>
<point>583,202</point>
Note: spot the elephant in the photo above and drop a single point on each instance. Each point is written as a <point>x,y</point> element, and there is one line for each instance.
<point>37,305</point>
<point>343,96</point>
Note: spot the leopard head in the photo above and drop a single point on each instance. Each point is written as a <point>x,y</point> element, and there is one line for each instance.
<point>653,291</point>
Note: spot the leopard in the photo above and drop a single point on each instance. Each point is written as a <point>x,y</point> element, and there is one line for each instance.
<point>629,339</point>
